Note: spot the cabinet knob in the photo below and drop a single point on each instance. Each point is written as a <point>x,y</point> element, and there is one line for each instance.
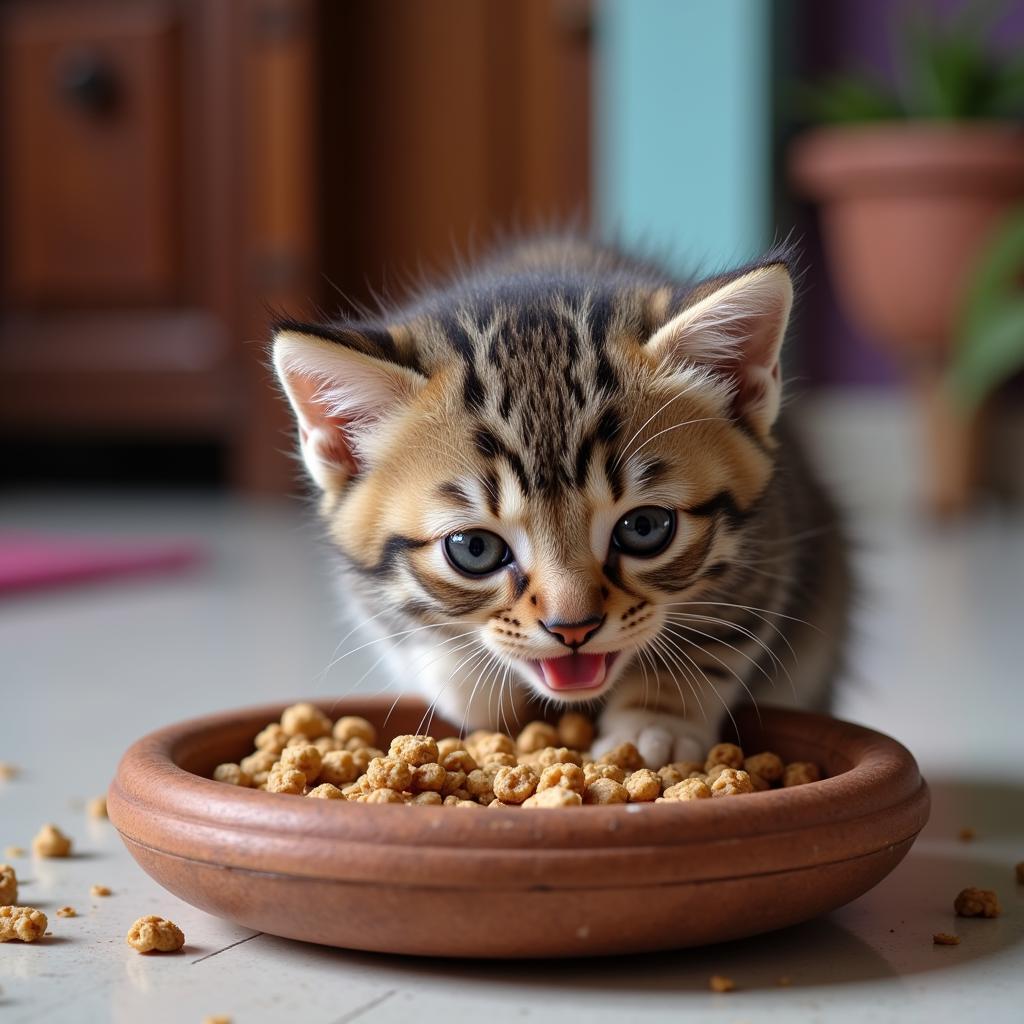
<point>88,82</point>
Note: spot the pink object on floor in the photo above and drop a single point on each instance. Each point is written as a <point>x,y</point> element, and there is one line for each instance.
<point>32,560</point>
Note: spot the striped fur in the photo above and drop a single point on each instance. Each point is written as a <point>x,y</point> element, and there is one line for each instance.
<point>542,397</point>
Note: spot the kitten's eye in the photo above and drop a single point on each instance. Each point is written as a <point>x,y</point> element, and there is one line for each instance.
<point>645,531</point>
<point>477,552</point>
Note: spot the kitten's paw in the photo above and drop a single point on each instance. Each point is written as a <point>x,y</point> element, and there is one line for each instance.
<point>659,737</point>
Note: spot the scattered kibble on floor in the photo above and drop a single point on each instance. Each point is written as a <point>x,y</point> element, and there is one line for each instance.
<point>67,912</point>
<point>8,885</point>
<point>972,902</point>
<point>51,842</point>
<point>99,890</point>
<point>219,1019</point>
<point>152,934</point>
<point>945,939</point>
<point>8,770</point>
<point>21,924</point>
<point>97,807</point>
<point>720,983</point>
<point>966,834</point>
<point>14,851</point>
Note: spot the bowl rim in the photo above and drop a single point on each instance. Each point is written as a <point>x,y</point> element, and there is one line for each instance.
<point>878,801</point>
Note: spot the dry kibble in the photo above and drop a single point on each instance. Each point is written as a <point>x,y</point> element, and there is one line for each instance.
<point>768,765</point>
<point>97,807</point>
<point>556,796</point>
<point>760,784</point>
<point>688,789</point>
<point>338,767</point>
<point>536,736</point>
<point>720,983</point>
<point>945,939</point>
<point>428,778</point>
<point>513,785</point>
<point>713,772</point>
<point>798,773</point>
<point>966,834</point>
<point>724,753</point>
<point>625,755</point>
<point>575,731</point>
<point>362,757</point>
<point>478,782</point>
<point>14,851</point>
<point>558,755</point>
<point>352,727</point>
<point>972,902</point>
<point>414,750</point>
<point>24,924</point>
<point>385,796</point>
<point>325,791</point>
<point>67,912</point>
<point>460,760</point>
<point>454,781</point>
<point>389,773</point>
<point>428,796</point>
<point>152,934</point>
<point>732,782</point>
<point>7,771</point>
<point>8,885</point>
<point>643,786</point>
<point>491,743</point>
<point>257,766</point>
<point>99,890</point>
<point>51,842</point>
<point>306,719</point>
<point>498,760</point>
<point>232,774</point>
<point>563,776</point>
<point>605,791</point>
<point>272,738</point>
<point>592,772</point>
<point>306,759</point>
<point>286,780</point>
<point>448,745</point>
<point>218,1018</point>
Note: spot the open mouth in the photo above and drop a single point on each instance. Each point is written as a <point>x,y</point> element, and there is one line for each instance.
<point>575,671</point>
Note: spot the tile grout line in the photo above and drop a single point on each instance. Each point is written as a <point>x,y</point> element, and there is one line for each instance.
<point>360,1010</point>
<point>255,935</point>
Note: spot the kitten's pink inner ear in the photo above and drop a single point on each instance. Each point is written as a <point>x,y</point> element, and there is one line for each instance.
<point>321,434</point>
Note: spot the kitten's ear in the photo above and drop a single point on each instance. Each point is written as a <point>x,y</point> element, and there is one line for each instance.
<point>736,328</point>
<point>340,394</point>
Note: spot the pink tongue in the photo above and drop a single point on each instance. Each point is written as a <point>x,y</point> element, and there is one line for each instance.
<point>575,671</point>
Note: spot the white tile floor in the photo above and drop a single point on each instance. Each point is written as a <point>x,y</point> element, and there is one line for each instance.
<point>82,674</point>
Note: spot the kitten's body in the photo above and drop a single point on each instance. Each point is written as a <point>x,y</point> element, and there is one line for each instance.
<point>541,399</point>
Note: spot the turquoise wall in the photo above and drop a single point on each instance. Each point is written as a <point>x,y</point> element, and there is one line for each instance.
<point>683,119</point>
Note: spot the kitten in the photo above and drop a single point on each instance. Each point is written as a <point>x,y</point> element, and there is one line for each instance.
<point>562,476</point>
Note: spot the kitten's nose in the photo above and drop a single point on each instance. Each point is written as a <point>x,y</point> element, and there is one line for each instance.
<point>574,634</point>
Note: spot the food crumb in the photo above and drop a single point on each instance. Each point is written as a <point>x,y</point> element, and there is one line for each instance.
<point>966,834</point>
<point>51,842</point>
<point>14,851</point>
<point>155,934</point>
<point>945,939</point>
<point>97,807</point>
<point>972,902</point>
<point>26,924</point>
<point>8,770</point>
<point>8,885</point>
<point>720,983</point>
<point>67,912</point>
<point>220,1018</point>
<point>99,890</point>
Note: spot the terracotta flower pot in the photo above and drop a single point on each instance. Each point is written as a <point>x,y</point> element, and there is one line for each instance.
<point>906,208</point>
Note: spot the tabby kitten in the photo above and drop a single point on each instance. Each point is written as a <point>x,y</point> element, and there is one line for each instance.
<point>562,476</point>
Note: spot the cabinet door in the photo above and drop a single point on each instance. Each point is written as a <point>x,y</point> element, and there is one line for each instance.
<point>91,132</point>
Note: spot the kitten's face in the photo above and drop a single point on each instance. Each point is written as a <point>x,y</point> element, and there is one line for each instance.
<point>550,482</point>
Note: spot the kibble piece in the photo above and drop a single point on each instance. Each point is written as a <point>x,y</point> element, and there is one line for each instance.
<point>768,765</point>
<point>536,736</point>
<point>643,786</point>
<point>1019,871</point>
<point>97,807</point>
<point>798,773</point>
<point>513,785</point>
<point>362,757</point>
<point>491,743</point>
<point>7,771</point>
<point>352,727</point>
<point>732,782</point>
<point>8,885</point>
<point>724,753</point>
<point>945,939</point>
<point>25,924</point>
<point>325,791</point>
<point>99,890</point>
<point>605,791</point>
<point>338,767</point>
<point>51,842</point>
<point>575,731</point>
<point>67,912</point>
<point>389,773</point>
<point>460,760</point>
<point>563,776</point>
<point>447,746</point>
<point>14,851</point>
<point>688,789</point>
<point>272,738</point>
<point>306,759</point>
<point>625,755</point>
<point>428,778</point>
<point>592,772</point>
<point>760,784</point>
<point>479,783</point>
<point>386,796</point>
<point>428,796</point>
<point>556,796</point>
<point>972,902</point>
<point>714,771</point>
<point>152,934</point>
<point>232,774</point>
<point>218,1018</point>
<point>325,744</point>
<point>286,780</point>
<point>720,983</point>
<point>498,759</point>
<point>306,719</point>
<point>454,781</point>
<point>414,750</point>
<point>966,834</point>
<point>558,755</point>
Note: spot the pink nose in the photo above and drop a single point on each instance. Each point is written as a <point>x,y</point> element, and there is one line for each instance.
<point>574,634</point>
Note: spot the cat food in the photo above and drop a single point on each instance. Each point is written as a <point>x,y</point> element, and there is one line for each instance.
<point>97,807</point>
<point>972,902</point>
<point>545,765</point>
<point>25,924</point>
<point>99,890</point>
<point>945,939</point>
<point>720,983</point>
<point>8,770</point>
<point>51,842</point>
<point>14,851</point>
<point>67,912</point>
<point>8,885</point>
<point>152,934</point>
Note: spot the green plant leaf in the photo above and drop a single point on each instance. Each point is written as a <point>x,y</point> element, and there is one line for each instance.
<point>996,276</point>
<point>989,355</point>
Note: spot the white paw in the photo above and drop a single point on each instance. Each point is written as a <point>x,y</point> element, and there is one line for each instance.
<point>659,737</point>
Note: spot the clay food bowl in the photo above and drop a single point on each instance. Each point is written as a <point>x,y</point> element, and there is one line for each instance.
<point>517,883</point>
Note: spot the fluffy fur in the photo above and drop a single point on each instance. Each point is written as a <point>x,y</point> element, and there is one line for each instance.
<point>542,398</point>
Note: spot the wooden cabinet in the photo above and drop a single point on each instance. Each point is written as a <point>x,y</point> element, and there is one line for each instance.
<point>175,170</point>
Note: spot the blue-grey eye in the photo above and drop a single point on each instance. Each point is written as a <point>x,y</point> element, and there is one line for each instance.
<point>476,552</point>
<point>645,531</point>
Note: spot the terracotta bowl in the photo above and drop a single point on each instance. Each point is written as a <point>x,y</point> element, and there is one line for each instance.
<point>518,883</point>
